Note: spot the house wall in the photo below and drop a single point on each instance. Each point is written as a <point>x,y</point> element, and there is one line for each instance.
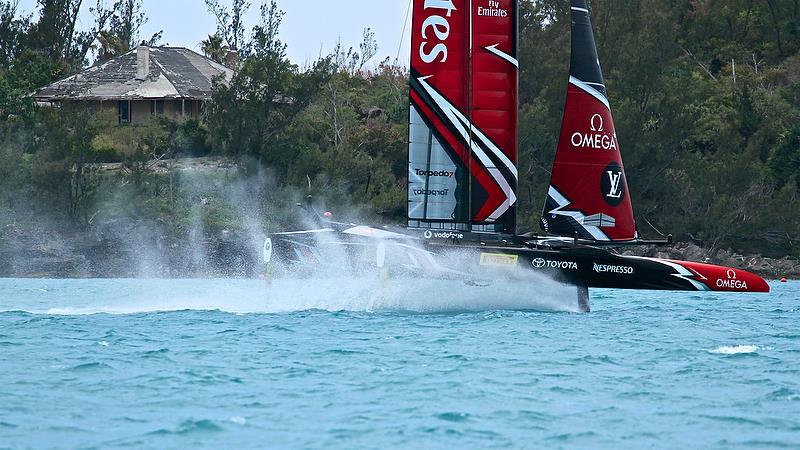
<point>108,111</point>
<point>172,108</point>
<point>140,110</point>
<point>105,111</point>
<point>177,108</point>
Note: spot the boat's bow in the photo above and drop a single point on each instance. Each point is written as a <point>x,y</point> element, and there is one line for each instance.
<point>709,277</point>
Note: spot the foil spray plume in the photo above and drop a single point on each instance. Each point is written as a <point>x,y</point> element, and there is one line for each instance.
<point>139,255</point>
<point>339,283</point>
<point>375,279</point>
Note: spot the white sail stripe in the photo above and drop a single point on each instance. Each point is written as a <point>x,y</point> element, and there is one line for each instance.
<point>453,116</point>
<point>460,123</point>
<point>562,203</point>
<point>487,162</point>
<point>575,8</point>
<point>453,113</point>
<point>490,145</point>
<point>590,90</point>
<point>683,272</point>
<point>511,198</point>
<point>502,54</point>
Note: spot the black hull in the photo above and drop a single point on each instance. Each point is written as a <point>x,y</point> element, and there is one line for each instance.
<point>358,249</point>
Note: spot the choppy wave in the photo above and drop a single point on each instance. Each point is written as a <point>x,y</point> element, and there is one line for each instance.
<point>688,373</point>
<point>735,350</point>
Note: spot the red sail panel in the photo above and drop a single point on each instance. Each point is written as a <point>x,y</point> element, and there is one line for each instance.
<point>495,80</point>
<point>588,194</point>
<point>462,133</point>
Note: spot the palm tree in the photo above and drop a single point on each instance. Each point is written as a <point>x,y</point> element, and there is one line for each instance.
<point>213,48</point>
<point>111,46</point>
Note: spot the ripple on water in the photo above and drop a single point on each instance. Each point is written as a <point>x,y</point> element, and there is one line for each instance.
<point>160,353</point>
<point>736,420</point>
<point>90,366</point>
<point>596,360</point>
<point>453,416</point>
<point>790,336</point>
<point>783,394</point>
<point>343,351</point>
<point>567,437</point>
<point>190,427</point>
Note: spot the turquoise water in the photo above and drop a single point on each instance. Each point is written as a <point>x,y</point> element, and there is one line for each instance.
<point>213,364</point>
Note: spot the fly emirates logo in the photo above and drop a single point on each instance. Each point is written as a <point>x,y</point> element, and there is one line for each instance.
<point>597,138</point>
<point>436,27</point>
<point>493,10</point>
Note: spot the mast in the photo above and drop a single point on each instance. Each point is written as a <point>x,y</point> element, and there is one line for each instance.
<point>588,195</point>
<point>463,115</point>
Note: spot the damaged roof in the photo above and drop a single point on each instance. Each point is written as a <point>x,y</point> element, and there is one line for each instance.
<point>169,72</point>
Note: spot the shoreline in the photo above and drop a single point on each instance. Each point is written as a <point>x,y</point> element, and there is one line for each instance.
<point>140,249</point>
<point>763,266</point>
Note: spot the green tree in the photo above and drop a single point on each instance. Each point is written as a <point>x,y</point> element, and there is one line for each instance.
<point>123,31</point>
<point>230,23</point>
<point>247,116</point>
<point>213,47</point>
<point>784,161</point>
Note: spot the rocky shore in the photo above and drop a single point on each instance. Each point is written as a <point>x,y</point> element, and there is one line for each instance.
<point>769,268</point>
<point>130,248</point>
<point>126,249</point>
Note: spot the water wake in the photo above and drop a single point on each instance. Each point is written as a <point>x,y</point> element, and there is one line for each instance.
<point>419,295</point>
<point>341,293</point>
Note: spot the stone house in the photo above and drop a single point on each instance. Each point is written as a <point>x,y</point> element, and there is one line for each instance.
<point>145,82</point>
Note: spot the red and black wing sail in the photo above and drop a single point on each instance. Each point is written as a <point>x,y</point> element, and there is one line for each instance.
<point>588,194</point>
<point>463,115</point>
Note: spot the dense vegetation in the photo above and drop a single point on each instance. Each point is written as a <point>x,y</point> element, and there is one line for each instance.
<point>706,97</point>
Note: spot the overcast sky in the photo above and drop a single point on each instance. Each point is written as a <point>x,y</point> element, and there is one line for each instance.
<point>310,27</point>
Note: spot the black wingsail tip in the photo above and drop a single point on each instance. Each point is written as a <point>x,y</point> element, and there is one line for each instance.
<point>585,64</point>
<point>580,4</point>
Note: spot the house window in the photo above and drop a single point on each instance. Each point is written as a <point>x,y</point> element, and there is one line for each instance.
<point>124,111</point>
<point>157,107</point>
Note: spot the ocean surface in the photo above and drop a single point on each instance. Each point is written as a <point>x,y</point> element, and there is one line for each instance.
<point>229,364</point>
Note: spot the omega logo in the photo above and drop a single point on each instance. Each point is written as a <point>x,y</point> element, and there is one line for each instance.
<point>597,123</point>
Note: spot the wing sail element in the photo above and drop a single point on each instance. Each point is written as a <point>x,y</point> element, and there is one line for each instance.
<point>462,171</point>
<point>588,194</point>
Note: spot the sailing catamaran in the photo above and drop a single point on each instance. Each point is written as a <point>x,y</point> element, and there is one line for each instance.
<point>462,180</point>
